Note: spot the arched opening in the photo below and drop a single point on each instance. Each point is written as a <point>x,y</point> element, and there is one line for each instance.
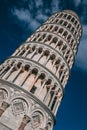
<point>56,28</point>
<point>59,45</point>
<point>69,26</point>
<point>49,126</point>
<point>53,97</point>
<point>40,86</point>
<point>47,40</point>
<point>14,71</point>
<point>64,49</point>
<point>73,19</point>
<point>60,22</point>
<point>69,37</point>
<point>38,54</point>
<point>65,34</point>
<point>47,87</point>
<point>54,41</point>
<point>51,27</point>
<point>31,52</point>
<point>61,30</point>
<point>21,75</point>
<point>37,120</point>
<point>50,62</point>
<point>65,15</point>
<point>69,17</point>
<point>30,80</point>
<point>65,23</point>
<point>60,15</point>
<point>44,57</point>
<point>72,29</point>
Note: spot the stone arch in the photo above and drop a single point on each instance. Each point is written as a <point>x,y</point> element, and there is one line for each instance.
<point>69,37</point>
<point>69,26</point>
<point>31,52</point>
<point>65,34</point>
<point>14,70</point>
<point>49,125</point>
<point>38,118</point>
<point>38,84</point>
<point>55,28</point>
<point>60,15</point>
<point>48,39</point>
<point>38,54</point>
<point>69,17</point>
<point>23,73</point>
<point>54,41</point>
<point>59,45</point>
<point>5,93</point>
<point>48,86</point>
<point>60,22</point>
<point>51,60</point>
<point>65,15</point>
<point>20,105</point>
<point>53,98</point>
<point>44,57</point>
<point>61,30</point>
<point>4,70</point>
<point>30,80</point>
<point>5,96</point>
<point>65,23</point>
<point>27,67</point>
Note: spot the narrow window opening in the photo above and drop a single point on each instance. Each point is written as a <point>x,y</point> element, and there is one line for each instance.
<point>56,28</point>
<point>40,50</point>
<point>69,17</point>
<point>61,15</point>
<point>61,21</point>
<point>46,53</point>
<point>69,26</point>
<point>19,65</point>
<point>65,15</point>
<point>49,37</point>
<point>65,23</point>
<point>33,89</point>
<point>72,19</point>
<point>27,67</point>
<point>60,30</point>
<point>75,22</point>
<point>54,40</point>
<point>51,27</point>
<point>72,30</point>
<point>65,34</point>
<point>52,57</point>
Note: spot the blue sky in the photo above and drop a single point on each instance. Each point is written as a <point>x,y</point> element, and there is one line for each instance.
<point>19,19</point>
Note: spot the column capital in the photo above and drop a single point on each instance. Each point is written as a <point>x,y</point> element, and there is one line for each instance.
<point>26,119</point>
<point>4,105</point>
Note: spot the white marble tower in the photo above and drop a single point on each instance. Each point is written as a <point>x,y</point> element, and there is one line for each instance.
<point>33,79</point>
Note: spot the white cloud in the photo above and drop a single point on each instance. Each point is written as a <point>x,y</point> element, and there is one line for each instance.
<point>38,3</point>
<point>24,17</point>
<point>55,5</point>
<point>81,58</point>
<point>77,2</point>
<point>41,16</point>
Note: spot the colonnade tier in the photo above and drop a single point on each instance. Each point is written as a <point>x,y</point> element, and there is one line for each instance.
<point>47,37</point>
<point>47,57</point>
<point>33,78</point>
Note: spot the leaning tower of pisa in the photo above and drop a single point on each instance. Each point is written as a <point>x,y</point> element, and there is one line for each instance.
<point>33,79</point>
